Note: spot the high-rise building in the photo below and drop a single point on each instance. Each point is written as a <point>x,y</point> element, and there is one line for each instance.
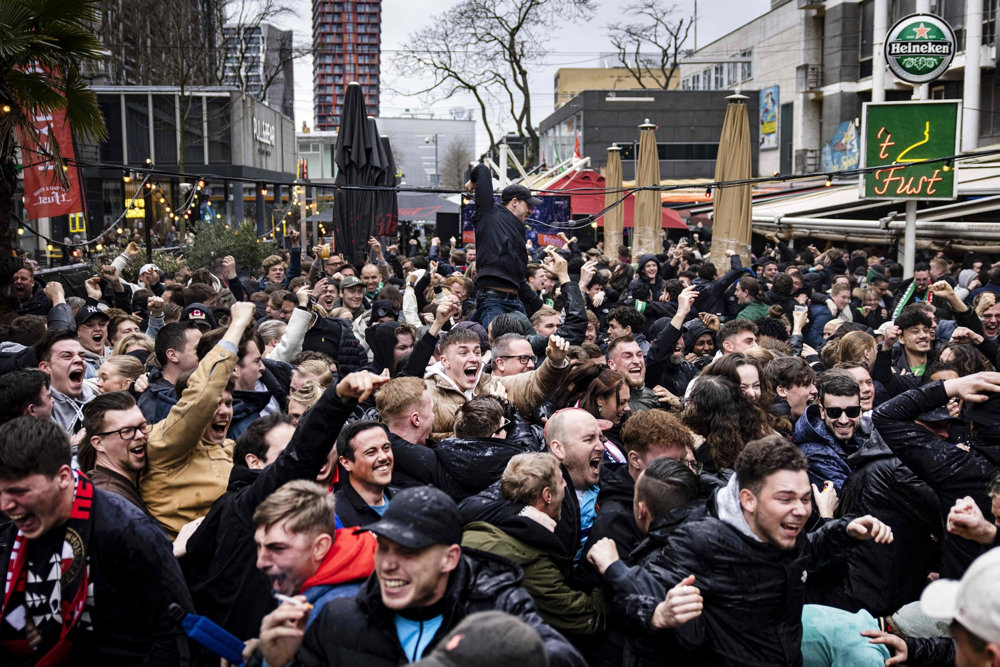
<point>258,59</point>
<point>347,38</point>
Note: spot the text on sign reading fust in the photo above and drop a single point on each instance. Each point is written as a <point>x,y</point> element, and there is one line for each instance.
<point>910,143</point>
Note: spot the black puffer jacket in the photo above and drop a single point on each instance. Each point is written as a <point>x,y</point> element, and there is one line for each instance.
<point>614,518</point>
<point>632,587</point>
<point>753,592</point>
<point>475,463</point>
<point>883,577</point>
<point>490,507</point>
<point>361,630</point>
<point>334,338</point>
<point>417,465</point>
<point>220,564</point>
<point>950,471</point>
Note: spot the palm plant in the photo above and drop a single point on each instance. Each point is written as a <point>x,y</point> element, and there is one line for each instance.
<point>43,44</point>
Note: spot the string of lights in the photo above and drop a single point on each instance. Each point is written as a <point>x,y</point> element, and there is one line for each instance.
<point>149,171</point>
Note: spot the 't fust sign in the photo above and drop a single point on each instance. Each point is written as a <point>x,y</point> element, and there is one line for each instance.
<point>903,139</point>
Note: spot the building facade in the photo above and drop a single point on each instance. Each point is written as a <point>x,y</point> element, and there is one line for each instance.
<point>205,132</point>
<point>346,47</point>
<point>689,124</point>
<point>812,63</point>
<point>571,81</point>
<point>258,59</point>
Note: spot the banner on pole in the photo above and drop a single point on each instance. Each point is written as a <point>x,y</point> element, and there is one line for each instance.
<point>44,197</point>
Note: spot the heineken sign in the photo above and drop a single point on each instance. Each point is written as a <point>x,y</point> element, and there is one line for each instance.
<point>919,48</point>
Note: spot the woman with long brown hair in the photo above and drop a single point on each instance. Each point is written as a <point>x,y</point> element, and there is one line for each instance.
<point>720,412</point>
<point>602,392</point>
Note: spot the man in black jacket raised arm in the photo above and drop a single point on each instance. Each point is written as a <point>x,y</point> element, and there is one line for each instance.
<point>501,255</point>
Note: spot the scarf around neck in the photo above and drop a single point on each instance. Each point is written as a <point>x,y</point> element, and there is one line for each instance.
<point>48,583</point>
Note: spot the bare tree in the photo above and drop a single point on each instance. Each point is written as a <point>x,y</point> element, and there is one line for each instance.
<point>455,162</point>
<point>655,37</point>
<point>487,48</point>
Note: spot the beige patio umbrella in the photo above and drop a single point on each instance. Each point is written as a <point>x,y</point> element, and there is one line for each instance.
<point>648,218</point>
<point>614,220</point>
<point>731,205</point>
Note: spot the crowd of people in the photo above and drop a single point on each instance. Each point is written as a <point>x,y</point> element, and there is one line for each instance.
<point>497,453</point>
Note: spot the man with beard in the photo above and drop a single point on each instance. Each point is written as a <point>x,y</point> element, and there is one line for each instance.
<point>31,299</point>
<point>625,356</point>
<point>366,454</point>
<point>859,371</point>
<point>327,294</point>
<point>750,559</point>
<point>117,433</point>
<point>61,357</point>
<point>828,432</point>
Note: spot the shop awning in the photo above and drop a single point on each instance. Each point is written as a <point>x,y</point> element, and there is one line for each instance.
<point>592,200</point>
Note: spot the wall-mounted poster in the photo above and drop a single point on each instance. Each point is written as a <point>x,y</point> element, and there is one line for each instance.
<point>769,118</point>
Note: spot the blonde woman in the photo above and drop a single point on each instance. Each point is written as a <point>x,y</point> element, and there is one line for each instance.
<point>133,342</point>
<point>302,399</point>
<point>118,372</point>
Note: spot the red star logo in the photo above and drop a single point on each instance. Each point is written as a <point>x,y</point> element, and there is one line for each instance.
<point>921,32</point>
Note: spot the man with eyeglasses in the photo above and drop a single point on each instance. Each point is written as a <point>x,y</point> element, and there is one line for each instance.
<point>512,355</point>
<point>116,439</point>
<point>828,432</point>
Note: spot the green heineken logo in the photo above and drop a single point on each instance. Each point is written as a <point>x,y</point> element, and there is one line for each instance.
<point>919,48</point>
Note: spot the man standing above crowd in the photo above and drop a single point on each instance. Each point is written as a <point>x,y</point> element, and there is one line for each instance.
<point>501,268</point>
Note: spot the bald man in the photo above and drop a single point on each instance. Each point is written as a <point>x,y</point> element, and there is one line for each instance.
<point>574,437</point>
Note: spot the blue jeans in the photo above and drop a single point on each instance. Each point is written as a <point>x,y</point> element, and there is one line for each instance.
<point>489,305</point>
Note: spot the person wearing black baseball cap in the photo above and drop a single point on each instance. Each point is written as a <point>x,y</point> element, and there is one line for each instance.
<point>501,256</point>
<point>424,585</point>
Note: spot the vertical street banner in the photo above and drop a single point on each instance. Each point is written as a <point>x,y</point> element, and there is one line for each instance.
<point>44,197</point>
<point>769,118</point>
<point>911,146</point>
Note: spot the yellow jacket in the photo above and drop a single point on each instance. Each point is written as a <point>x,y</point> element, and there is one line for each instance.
<point>186,473</point>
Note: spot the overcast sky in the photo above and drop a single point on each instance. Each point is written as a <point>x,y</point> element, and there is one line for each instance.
<point>575,46</point>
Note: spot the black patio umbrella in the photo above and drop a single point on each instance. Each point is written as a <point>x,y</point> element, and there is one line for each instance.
<point>360,161</point>
<point>386,201</point>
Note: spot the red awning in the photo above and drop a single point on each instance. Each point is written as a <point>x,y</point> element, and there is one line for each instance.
<point>584,203</point>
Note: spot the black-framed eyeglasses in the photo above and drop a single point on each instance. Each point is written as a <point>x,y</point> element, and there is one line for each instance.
<point>523,358</point>
<point>128,432</point>
<point>504,425</point>
<point>834,413</point>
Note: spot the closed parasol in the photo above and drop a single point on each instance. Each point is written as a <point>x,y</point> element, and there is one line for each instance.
<point>648,216</point>
<point>731,206</point>
<point>614,220</point>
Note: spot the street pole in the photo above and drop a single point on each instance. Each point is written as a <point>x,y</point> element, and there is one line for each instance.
<point>437,172</point>
<point>147,202</point>
<point>920,92</point>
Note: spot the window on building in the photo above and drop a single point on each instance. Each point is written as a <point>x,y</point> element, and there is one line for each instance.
<point>219,131</point>
<point>111,108</point>
<point>718,80</point>
<point>746,69</point>
<point>867,41</point>
<point>165,129</point>
<point>194,135</point>
<point>695,82</point>
<point>137,128</point>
